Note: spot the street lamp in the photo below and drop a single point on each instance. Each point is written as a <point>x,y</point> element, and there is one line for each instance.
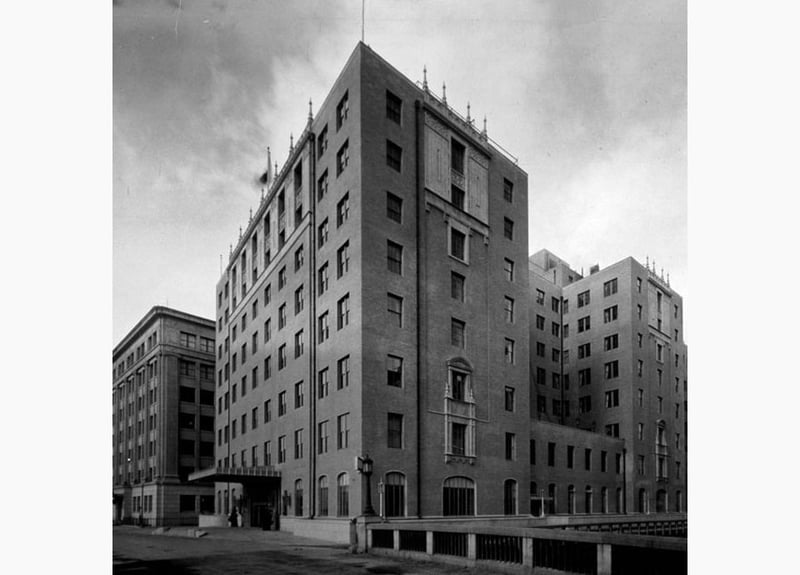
<point>365,467</point>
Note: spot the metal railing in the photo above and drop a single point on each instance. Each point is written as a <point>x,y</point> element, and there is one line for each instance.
<point>445,543</point>
<point>506,548</point>
<point>413,541</point>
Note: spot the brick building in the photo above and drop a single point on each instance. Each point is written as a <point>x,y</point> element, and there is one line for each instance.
<point>377,304</point>
<point>607,356</point>
<point>163,418</point>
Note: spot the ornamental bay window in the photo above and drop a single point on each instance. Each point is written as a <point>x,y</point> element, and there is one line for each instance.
<point>459,412</point>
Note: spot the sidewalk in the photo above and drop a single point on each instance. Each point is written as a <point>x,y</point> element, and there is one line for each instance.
<point>250,551</point>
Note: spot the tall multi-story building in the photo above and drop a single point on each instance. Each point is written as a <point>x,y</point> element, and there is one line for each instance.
<point>163,417</point>
<point>377,304</point>
<point>608,356</point>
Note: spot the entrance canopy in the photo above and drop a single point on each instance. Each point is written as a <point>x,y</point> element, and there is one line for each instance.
<point>260,475</point>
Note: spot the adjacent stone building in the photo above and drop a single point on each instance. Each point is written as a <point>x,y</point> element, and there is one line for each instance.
<point>608,356</point>
<point>163,419</point>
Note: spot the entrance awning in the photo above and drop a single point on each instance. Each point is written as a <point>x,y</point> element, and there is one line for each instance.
<point>250,475</point>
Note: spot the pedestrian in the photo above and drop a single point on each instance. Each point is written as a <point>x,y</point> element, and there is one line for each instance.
<point>239,518</point>
<point>232,518</point>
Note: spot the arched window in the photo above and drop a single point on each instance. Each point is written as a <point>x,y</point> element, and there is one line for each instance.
<point>298,498</point>
<point>604,499</point>
<point>642,500</point>
<point>343,495</point>
<point>587,500</point>
<point>510,497</point>
<point>458,496</point>
<point>322,496</point>
<point>551,499</point>
<point>394,490</point>
<point>571,499</point>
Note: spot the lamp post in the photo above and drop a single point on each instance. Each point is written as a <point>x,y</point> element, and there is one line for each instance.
<point>365,468</point>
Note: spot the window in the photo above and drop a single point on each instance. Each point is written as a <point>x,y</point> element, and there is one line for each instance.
<point>508,229</point>
<point>343,210</point>
<point>322,496</point>
<point>459,385</point>
<point>394,155</point>
<point>554,303</point>
<point>267,367</point>
<point>395,309</point>
<point>611,342</point>
<point>394,257</point>
<point>342,110</point>
<point>282,356</point>
<point>539,297</point>
<point>570,456</point>
<point>458,438</point>
<point>281,278</point>
<point>394,371</point>
<point>612,429</point>
<point>508,268</point>
<point>322,327</point>
<point>343,372</point>
<point>458,244</point>
<point>298,444</point>
<point>457,286</point>
<point>587,459</point>
<point>343,312</point>
<point>342,158</point>
<point>541,376</point>
<point>282,316</point>
<point>539,321</point>
<point>540,349</point>
<point>508,191</point>
<point>583,298</point>
<point>188,339</point>
<point>611,369</point>
<point>639,367</point>
<point>556,379</point>
<point>394,107</point>
<point>659,352</point>
<point>612,398</point>
<point>584,350</point>
<point>555,329</point>
<point>322,233</point>
<point>394,208</point>
<point>551,454</point>
<point>298,344</point>
<point>640,471</point>
<point>394,493</point>
<point>584,324</point>
<point>508,308</point>
<point>342,259</point>
<point>509,398</point>
<point>640,431</point>
<point>298,300</point>
<point>394,430</point>
<point>457,197</point>
<point>458,496</point>
<point>585,404</point>
<point>458,333</point>
<point>511,446</point>
<point>322,383</point>
<point>343,495</point>
<point>610,287</point>
<point>639,311</point>
<point>457,153</point>
<point>282,449</point>
<point>322,184</point>
<point>610,314</point>
<point>509,350</point>
<point>322,279</point>
<point>342,431</point>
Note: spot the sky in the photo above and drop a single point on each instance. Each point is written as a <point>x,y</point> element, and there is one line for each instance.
<point>589,95</point>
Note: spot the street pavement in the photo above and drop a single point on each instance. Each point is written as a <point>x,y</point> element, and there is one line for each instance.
<point>140,551</point>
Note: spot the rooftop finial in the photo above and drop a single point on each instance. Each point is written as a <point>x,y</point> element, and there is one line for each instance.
<point>662,273</point>
<point>310,112</point>
<point>444,93</point>
<point>251,214</point>
<point>469,117</point>
<point>269,161</point>
<point>230,250</point>
<point>240,232</point>
<point>262,193</point>
<point>647,262</point>
<point>425,78</point>
<point>484,133</point>
<point>667,278</point>
<point>276,169</point>
<point>291,143</point>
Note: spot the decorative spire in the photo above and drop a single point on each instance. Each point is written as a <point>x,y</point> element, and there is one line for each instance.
<point>269,161</point>
<point>310,112</point>
<point>668,278</point>
<point>425,78</point>
<point>647,262</point>
<point>240,232</point>
<point>230,250</point>
<point>276,169</point>
<point>262,192</point>
<point>469,117</point>
<point>251,214</point>
<point>444,93</point>
<point>662,273</point>
<point>291,143</point>
<point>484,133</point>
